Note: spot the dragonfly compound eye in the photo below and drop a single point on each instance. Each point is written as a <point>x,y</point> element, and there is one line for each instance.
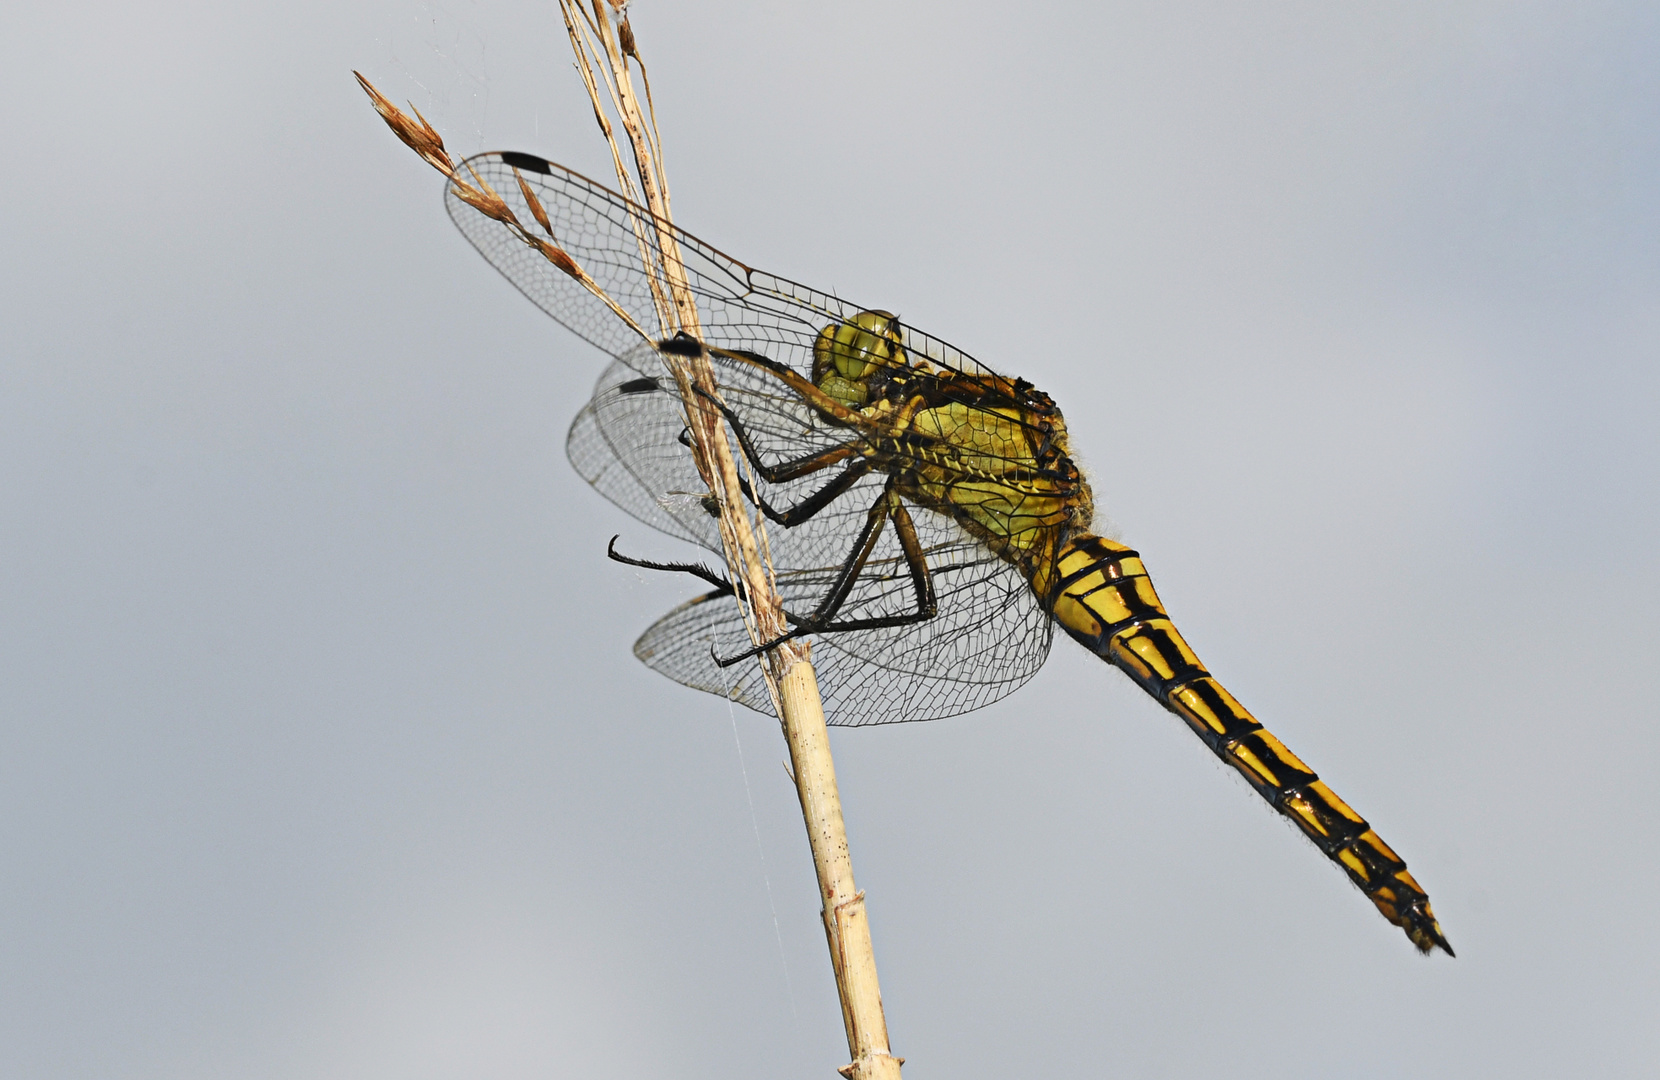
<point>848,355</point>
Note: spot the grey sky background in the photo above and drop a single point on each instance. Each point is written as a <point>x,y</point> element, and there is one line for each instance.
<point>322,751</point>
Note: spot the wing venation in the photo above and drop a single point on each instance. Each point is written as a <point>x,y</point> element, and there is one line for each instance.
<point>989,635</point>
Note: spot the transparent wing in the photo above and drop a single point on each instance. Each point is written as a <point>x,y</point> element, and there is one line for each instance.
<point>627,442</point>
<point>740,308</point>
<point>989,634</point>
<point>988,639</point>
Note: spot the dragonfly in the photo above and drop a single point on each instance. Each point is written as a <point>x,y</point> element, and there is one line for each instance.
<point>929,529</point>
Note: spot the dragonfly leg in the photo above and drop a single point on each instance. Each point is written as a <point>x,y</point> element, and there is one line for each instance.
<point>806,389</point>
<point>794,470</point>
<point>697,570</point>
<point>683,344</point>
<point>922,580</point>
<point>813,503</point>
<point>823,619</point>
<point>784,471</point>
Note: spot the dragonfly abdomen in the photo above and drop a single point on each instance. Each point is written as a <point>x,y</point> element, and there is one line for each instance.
<point>1101,595</point>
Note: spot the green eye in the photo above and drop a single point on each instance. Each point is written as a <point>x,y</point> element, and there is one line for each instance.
<point>848,354</point>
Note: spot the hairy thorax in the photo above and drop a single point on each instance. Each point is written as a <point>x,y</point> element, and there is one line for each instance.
<point>988,451</point>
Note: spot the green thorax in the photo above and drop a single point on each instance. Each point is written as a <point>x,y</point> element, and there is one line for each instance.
<point>988,451</point>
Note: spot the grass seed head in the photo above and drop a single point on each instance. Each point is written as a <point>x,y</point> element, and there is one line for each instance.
<point>535,205</point>
<point>484,199</point>
<point>416,134</point>
<point>557,256</point>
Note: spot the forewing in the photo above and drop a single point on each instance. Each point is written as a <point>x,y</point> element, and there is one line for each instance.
<point>739,307</point>
<point>629,442</point>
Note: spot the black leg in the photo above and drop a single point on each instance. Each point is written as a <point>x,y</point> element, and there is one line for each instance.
<point>855,561</point>
<point>794,470</point>
<point>785,471</point>
<point>697,570</point>
<point>921,579</point>
<point>823,618</point>
<point>813,503</point>
<point>927,605</point>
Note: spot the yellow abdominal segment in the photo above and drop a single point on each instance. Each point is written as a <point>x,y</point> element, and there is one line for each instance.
<point>1101,595</point>
<point>992,454</point>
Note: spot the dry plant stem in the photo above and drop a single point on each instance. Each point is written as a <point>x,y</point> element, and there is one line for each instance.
<point>846,925</point>
<point>710,447</point>
<point>790,675</point>
<point>788,668</point>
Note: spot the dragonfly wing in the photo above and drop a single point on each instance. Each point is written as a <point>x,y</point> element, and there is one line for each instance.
<point>924,680</point>
<point>934,669</point>
<point>738,307</point>
<point>684,643</point>
<point>627,443</point>
<point>629,440</point>
<point>988,637</point>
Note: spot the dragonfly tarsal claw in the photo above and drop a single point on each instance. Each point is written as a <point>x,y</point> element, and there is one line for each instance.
<point>697,570</point>
<point>728,661</point>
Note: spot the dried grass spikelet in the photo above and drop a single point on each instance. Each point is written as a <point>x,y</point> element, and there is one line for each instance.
<point>417,134</point>
<point>422,138</point>
<point>535,204</point>
<point>559,258</point>
<point>484,199</point>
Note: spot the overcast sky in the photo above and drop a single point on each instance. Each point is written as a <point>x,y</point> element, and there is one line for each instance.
<point>322,751</point>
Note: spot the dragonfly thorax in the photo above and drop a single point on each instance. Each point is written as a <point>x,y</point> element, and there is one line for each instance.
<point>851,358</point>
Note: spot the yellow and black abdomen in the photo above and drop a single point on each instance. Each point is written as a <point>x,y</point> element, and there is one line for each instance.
<point>1101,595</point>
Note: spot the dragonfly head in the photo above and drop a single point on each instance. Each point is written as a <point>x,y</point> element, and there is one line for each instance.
<point>850,356</point>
